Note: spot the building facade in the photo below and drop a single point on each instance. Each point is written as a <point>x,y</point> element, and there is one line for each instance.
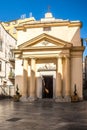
<point>85,72</point>
<point>10,26</point>
<point>48,59</point>
<point>7,42</point>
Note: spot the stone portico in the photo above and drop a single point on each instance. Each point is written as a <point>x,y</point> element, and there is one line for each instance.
<point>46,64</point>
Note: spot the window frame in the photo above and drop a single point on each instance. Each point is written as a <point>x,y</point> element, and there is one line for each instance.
<point>0,66</point>
<point>47,28</point>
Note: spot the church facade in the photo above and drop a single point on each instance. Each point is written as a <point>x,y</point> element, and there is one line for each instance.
<point>48,59</point>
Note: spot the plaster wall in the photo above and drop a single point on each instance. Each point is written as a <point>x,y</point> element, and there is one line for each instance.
<point>76,76</point>
<point>74,36</point>
<point>69,34</point>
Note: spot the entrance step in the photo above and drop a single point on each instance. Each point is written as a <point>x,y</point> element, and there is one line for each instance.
<point>46,100</point>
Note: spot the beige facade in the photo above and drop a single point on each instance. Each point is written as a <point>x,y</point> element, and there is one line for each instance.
<point>10,26</point>
<point>85,72</point>
<point>49,59</point>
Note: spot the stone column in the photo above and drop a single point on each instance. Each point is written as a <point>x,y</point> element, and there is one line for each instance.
<point>32,81</point>
<point>58,85</point>
<point>67,78</point>
<point>25,80</point>
<point>58,79</point>
<point>60,65</point>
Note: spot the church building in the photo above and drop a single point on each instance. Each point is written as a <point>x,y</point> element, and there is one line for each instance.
<point>48,59</point>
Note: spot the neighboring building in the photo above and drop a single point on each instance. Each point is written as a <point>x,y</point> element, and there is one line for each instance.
<point>8,39</point>
<point>48,59</point>
<point>85,73</point>
<point>7,42</point>
<point>10,26</point>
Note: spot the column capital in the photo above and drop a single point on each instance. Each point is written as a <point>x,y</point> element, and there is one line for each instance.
<point>59,56</point>
<point>32,57</point>
<point>67,56</point>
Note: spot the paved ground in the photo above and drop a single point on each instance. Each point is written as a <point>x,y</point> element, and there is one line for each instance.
<point>43,115</point>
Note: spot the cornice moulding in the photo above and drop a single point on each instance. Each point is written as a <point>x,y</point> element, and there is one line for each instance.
<point>50,24</point>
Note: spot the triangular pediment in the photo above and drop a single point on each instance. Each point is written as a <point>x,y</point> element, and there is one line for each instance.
<point>44,43</point>
<point>44,40</point>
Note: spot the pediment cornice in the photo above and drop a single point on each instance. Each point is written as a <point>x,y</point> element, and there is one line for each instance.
<point>44,37</point>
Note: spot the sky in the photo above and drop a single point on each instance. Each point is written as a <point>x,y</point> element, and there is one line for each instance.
<point>61,9</point>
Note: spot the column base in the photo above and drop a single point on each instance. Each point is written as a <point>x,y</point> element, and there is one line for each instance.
<point>63,99</point>
<point>67,99</point>
<point>75,98</point>
<point>32,99</point>
<point>80,98</point>
<point>24,99</point>
<point>59,99</point>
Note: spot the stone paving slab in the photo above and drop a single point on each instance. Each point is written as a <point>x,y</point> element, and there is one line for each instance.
<point>42,115</point>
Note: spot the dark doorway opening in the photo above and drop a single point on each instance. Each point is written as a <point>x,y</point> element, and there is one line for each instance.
<point>47,87</point>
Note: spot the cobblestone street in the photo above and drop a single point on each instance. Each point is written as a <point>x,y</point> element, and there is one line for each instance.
<point>42,115</point>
